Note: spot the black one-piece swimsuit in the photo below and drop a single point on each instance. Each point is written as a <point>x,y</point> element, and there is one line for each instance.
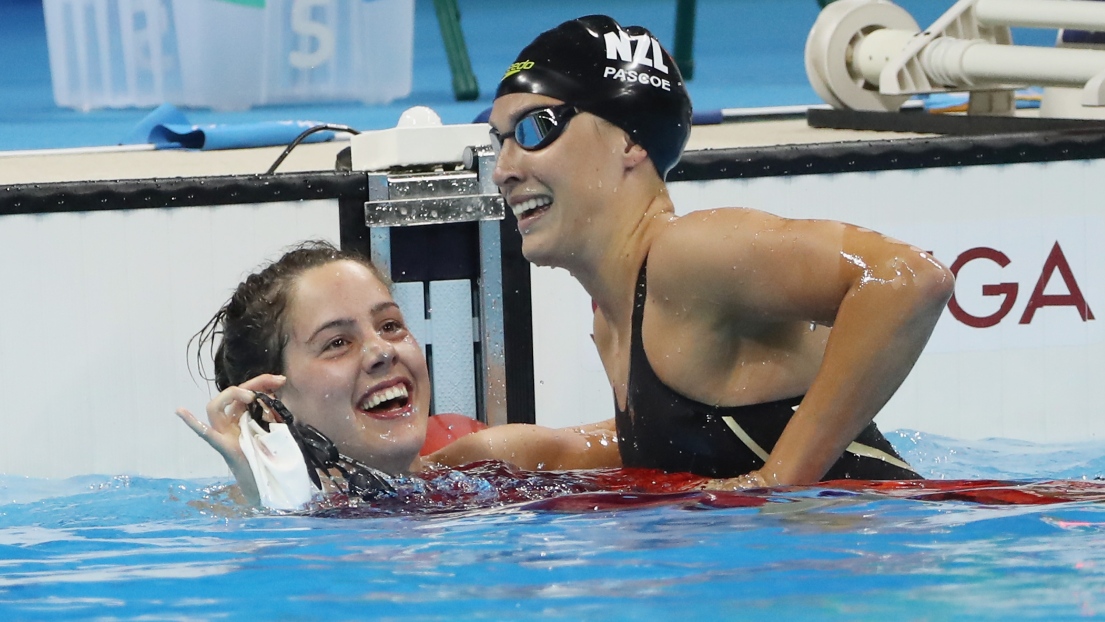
<point>662,429</point>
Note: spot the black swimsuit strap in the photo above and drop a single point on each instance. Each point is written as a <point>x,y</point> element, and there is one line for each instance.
<point>636,343</point>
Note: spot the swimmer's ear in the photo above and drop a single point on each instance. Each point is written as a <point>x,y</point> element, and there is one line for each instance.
<point>634,154</point>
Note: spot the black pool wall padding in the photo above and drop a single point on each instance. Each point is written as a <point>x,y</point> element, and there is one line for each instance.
<point>128,194</point>
<point>918,121</point>
<point>887,155</point>
<point>741,163</point>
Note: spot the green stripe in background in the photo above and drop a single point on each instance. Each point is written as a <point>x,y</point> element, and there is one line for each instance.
<point>257,3</point>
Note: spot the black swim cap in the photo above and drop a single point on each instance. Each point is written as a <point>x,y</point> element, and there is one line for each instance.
<point>620,74</point>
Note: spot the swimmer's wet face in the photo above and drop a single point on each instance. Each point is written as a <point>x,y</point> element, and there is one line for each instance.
<point>632,104</point>
<point>353,369</point>
<point>558,192</point>
<point>536,129</point>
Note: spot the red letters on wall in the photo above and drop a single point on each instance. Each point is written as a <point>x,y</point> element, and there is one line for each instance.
<point>1055,262</point>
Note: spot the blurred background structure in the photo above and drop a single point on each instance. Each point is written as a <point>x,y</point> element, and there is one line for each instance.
<point>747,53</point>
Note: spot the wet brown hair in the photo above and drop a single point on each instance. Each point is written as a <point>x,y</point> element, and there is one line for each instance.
<point>250,328</point>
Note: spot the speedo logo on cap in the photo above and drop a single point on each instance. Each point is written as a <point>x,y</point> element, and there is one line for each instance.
<point>516,67</point>
<point>640,50</point>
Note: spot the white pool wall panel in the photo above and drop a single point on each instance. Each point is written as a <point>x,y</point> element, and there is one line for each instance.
<point>97,310</point>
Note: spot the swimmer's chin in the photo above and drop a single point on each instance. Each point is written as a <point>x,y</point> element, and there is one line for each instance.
<point>538,260</point>
<point>539,251</point>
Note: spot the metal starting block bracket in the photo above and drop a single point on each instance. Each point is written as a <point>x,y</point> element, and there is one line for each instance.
<point>430,199</point>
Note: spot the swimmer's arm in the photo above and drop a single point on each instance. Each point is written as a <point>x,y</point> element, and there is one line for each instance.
<point>223,413</point>
<point>882,298</point>
<point>536,448</point>
<point>893,298</point>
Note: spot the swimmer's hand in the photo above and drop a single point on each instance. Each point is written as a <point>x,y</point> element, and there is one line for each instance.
<point>748,481</point>
<point>222,434</point>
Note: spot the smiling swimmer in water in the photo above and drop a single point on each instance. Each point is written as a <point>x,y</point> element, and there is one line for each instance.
<point>720,356</point>
<point>319,330</point>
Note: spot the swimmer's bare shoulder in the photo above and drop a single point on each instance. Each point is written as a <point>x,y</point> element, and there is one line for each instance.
<point>745,264</point>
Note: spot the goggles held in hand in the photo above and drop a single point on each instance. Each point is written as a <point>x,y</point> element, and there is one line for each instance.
<point>320,453</point>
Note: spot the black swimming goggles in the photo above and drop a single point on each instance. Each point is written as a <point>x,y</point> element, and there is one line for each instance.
<point>537,128</point>
<point>320,454</point>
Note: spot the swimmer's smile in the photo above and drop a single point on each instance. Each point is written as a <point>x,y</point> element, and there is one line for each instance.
<point>530,209</point>
<point>387,400</point>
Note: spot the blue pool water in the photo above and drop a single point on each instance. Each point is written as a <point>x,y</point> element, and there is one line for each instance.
<point>134,548</point>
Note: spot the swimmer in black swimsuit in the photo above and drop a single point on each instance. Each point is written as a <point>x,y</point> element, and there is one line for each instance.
<point>662,429</point>
<point>741,308</point>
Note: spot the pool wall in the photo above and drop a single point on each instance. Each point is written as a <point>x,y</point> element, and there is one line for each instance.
<point>105,284</point>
